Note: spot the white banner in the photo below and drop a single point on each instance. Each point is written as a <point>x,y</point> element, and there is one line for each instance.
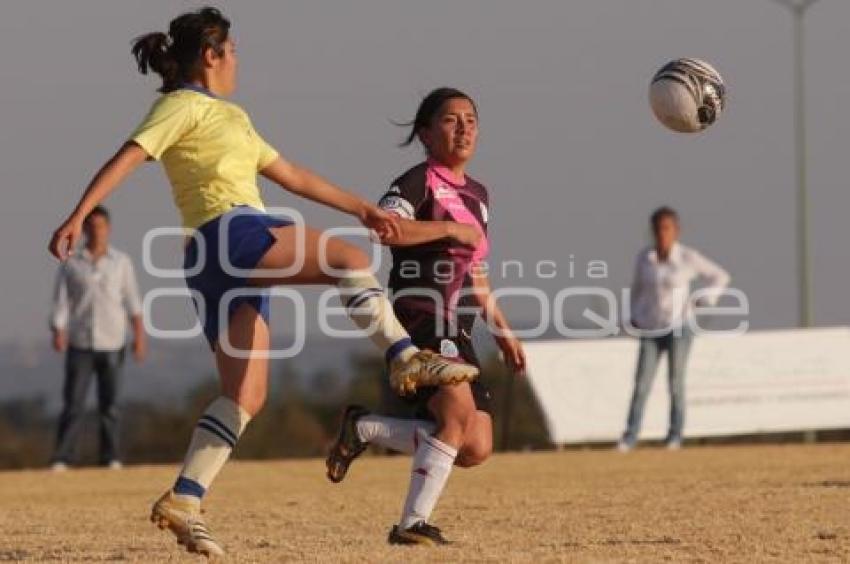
<point>759,382</point>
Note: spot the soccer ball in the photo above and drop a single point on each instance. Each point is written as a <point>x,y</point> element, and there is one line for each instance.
<point>687,95</point>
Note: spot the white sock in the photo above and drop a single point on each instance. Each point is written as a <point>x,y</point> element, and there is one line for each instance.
<point>369,309</point>
<point>393,433</point>
<point>432,464</point>
<point>216,434</point>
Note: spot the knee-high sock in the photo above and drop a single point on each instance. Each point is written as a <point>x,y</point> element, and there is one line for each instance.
<point>372,312</point>
<point>390,432</point>
<point>217,432</point>
<point>432,464</point>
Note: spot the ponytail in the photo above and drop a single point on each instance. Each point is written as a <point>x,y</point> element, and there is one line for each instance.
<point>152,51</point>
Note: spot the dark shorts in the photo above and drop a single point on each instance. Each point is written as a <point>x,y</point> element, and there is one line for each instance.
<point>244,235</point>
<point>422,328</point>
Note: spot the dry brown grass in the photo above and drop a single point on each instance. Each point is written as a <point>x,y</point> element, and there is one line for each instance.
<point>779,503</point>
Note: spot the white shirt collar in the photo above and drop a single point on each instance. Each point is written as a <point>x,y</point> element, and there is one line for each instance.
<point>86,254</point>
<point>675,254</point>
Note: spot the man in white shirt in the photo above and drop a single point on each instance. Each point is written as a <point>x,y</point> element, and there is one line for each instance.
<point>95,294</point>
<point>661,309</point>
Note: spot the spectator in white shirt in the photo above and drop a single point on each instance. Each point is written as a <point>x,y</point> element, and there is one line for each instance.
<point>94,296</point>
<point>661,310</point>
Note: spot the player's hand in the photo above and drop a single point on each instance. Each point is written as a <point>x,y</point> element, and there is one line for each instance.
<point>384,224</point>
<point>464,234</point>
<point>65,238</point>
<point>60,340</point>
<point>513,353</point>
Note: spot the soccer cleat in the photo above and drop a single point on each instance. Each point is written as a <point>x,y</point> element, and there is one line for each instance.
<point>420,533</point>
<point>427,368</point>
<point>348,445</point>
<point>183,518</point>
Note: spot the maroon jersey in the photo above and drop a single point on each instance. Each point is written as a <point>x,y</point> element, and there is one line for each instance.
<point>431,277</point>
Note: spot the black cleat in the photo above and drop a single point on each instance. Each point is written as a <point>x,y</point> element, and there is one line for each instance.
<point>421,533</point>
<point>348,445</point>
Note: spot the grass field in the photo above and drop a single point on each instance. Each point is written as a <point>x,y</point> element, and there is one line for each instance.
<point>744,504</point>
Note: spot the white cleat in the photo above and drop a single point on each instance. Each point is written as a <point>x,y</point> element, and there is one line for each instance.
<point>183,518</point>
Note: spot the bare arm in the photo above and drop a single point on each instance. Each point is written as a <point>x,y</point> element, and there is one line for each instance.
<point>116,169</point>
<point>308,184</point>
<point>417,232</point>
<point>492,314</point>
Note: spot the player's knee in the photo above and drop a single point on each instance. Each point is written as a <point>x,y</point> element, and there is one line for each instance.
<point>453,427</point>
<point>474,454</point>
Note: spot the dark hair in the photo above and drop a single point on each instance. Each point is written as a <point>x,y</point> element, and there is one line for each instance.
<point>175,56</point>
<point>98,211</point>
<point>429,107</point>
<point>661,213</point>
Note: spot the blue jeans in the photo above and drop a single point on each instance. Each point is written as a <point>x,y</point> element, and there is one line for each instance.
<point>80,366</point>
<point>677,348</point>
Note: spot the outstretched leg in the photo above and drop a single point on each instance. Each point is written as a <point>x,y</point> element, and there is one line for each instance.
<point>359,428</point>
<point>364,300</point>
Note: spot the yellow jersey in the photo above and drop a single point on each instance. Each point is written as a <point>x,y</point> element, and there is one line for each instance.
<point>210,151</point>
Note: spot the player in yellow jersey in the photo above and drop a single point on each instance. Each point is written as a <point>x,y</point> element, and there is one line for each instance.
<point>212,154</point>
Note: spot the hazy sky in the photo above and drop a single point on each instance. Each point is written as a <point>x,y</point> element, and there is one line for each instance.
<point>569,149</point>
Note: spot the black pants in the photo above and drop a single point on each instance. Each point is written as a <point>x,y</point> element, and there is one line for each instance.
<point>80,365</point>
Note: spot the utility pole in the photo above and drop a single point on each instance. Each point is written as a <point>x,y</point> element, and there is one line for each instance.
<point>798,9</point>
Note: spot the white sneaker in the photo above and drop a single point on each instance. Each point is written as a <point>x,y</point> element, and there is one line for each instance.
<point>673,445</point>
<point>58,467</point>
<point>623,446</point>
<point>115,465</point>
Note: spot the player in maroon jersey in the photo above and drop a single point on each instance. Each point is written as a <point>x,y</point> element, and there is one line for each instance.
<point>439,285</point>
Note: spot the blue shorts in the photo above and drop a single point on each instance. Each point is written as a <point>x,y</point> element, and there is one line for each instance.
<point>248,238</point>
